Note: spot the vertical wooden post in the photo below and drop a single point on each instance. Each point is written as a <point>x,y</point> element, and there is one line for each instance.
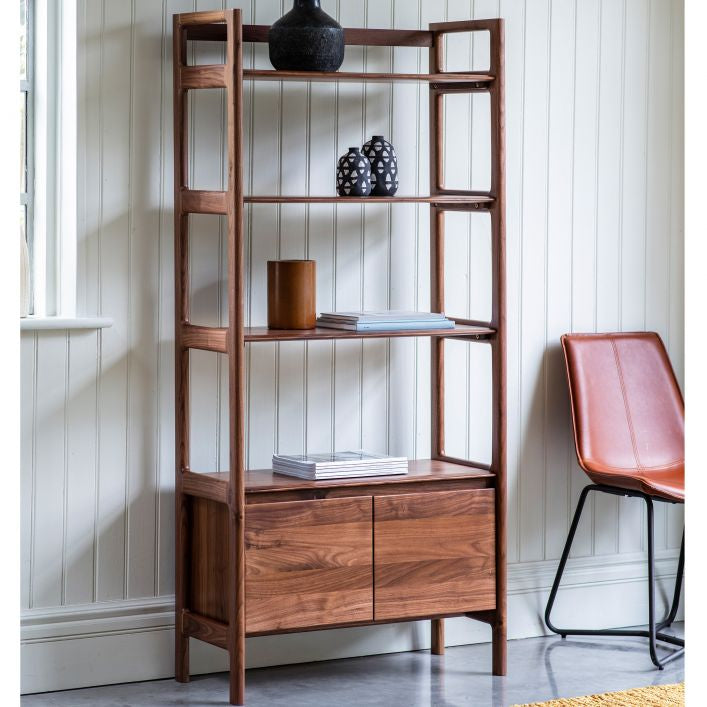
<point>437,279</point>
<point>498,318</point>
<point>236,358</point>
<point>437,247</point>
<point>181,315</point>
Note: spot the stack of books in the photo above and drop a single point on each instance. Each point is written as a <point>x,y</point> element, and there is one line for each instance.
<point>384,321</point>
<point>338,465</point>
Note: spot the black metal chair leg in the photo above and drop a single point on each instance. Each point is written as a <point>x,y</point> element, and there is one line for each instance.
<point>651,586</point>
<point>678,588</point>
<point>563,560</point>
<point>654,632</point>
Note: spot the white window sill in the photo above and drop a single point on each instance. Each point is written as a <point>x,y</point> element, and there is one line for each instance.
<point>52,323</point>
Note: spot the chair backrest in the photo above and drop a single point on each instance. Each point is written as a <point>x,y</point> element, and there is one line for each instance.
<point>627,409</point>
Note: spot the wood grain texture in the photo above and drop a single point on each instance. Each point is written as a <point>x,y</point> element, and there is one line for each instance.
<point>434,553</point>
<point>352,36</point>
<point>208,547</point>
<point>474,81</point>
<point>195,77</point>
<point>204,338</point>
<point>263,334</point>
<point>308,563</point>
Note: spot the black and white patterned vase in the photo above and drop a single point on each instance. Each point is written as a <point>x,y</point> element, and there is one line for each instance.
<point>353,176</point>
<point>384,166</point>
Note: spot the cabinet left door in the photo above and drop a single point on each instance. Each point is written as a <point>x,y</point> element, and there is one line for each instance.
<point>308,563</point>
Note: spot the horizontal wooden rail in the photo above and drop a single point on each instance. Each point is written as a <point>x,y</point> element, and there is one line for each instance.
<point>200,19</point>
<point>354,36</point>
<point>460,86</point>
<point>204,202</point>
<point>205,629</point>
<point>460,321</point>
<point>204,338</point>
<point>463,462</point>
<point>203,486</point>
<point>205,76</point>
<point>464,26</point>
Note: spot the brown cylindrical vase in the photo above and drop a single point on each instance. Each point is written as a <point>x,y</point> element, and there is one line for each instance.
<point>292,290</point>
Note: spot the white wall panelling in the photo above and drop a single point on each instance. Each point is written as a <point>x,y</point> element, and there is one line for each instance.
<point>595,242</point>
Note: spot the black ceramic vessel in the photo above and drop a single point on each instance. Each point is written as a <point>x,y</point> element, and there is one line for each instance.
<point>306,39</point>
<point>353,177</point>
<point>384,166</point>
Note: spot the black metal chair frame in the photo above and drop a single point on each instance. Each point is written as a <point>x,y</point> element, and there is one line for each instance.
<point>654,632</point>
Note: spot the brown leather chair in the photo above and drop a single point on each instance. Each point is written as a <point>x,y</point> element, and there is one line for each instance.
<point>628,420</point>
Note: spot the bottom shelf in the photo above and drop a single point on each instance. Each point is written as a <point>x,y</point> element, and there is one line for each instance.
<point>262,485</point>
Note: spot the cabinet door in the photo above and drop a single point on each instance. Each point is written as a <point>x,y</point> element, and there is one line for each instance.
<point>308,563</point>
<point>434,553</point>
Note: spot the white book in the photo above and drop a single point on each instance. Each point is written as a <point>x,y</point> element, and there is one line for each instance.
<point>332,460</point>
<point>382,316</point>
<point>338,465</point>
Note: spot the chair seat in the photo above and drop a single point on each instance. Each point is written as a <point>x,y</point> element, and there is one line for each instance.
<point>667,482</point>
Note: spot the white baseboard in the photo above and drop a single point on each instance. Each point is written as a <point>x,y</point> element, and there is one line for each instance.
<point>111,642</point>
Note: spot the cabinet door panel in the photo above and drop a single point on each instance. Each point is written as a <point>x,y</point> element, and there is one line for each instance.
<point>308,563</point>
<point>434,553</point>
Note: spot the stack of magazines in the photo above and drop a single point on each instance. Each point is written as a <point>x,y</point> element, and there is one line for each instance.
<point>384,321</point>
<point>338,465</point>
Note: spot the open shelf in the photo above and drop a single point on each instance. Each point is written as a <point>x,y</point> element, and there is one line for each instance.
<point>197,201</point>
<point>483,80</point>
<point>442,199</point>
<point>215,338</point>
<point>254,334</point>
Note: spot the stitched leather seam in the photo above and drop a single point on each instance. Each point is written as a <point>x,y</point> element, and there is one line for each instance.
<point>634,443</point>
<point>668,465</point>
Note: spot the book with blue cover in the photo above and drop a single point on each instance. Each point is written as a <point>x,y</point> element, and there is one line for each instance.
<point>393,320</point>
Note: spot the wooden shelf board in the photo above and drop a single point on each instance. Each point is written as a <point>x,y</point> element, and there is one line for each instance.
<point>471,199</point>
<point>368,77</point>
<point>260,334</point>
<point>419,471</point>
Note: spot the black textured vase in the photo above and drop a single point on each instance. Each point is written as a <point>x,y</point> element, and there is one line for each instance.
<point>306,39</point>
<point>353,177</point>
<point>384,166</point>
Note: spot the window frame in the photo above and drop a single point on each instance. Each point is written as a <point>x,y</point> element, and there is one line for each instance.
<point>53,254</point>
<point>27,88</point>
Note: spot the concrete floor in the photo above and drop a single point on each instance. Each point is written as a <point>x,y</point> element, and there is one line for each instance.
<point>538,669</point>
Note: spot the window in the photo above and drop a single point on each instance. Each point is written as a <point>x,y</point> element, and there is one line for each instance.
<point>26,127</point>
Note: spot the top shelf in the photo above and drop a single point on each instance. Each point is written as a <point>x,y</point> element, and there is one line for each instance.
<point>210,27</point>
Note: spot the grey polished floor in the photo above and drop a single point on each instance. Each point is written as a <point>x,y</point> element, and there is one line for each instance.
<point>538,669</point>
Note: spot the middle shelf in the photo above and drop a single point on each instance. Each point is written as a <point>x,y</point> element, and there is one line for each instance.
<point>215,338</point>
<point>199,201</point>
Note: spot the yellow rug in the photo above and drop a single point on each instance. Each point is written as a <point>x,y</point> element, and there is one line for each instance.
<point>655,696</point>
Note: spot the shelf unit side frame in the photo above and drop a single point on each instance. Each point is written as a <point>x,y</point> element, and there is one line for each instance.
<point>495,27</point>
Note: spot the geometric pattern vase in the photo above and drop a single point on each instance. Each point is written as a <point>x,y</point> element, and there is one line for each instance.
<point>384,166</point>
<point>353,176</point>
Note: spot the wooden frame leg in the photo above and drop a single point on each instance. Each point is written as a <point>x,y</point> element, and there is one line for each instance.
<point>181,653</point>
<point>499,647</point>
<point>437,637</point>
<point>236,679</point>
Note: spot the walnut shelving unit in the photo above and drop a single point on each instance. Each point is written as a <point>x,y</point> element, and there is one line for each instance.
<point>258,553</point>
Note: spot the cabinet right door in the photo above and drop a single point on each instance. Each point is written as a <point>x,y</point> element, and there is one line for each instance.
<point>434,553</point>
